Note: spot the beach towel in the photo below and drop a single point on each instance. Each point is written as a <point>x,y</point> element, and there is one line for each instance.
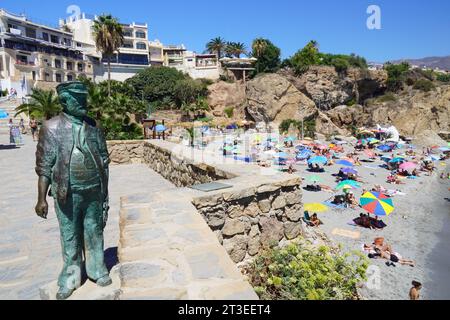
<point>333,205</point>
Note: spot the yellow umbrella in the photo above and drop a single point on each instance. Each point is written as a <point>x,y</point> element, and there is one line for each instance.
<point>315,207</point>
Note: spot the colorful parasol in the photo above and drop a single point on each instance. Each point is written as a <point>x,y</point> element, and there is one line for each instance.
<point>315,207</point>
<point>376,203</point>
<point>408,165</point>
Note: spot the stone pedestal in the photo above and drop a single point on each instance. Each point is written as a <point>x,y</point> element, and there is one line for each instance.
<point>88,291</point>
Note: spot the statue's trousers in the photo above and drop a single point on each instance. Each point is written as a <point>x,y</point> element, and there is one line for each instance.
<point>81,226</point>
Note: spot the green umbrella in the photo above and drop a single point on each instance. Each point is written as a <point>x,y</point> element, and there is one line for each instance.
<point>314,178</point>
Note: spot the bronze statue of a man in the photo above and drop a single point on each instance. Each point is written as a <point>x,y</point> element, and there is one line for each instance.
<point>72,159</point>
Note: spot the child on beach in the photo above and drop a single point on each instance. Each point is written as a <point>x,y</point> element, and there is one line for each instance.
<point>414,292</point>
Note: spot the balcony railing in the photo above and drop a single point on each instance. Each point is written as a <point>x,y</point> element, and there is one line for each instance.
<point>25,63</point>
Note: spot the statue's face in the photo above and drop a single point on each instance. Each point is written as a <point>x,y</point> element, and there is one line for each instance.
<point>74,104</point>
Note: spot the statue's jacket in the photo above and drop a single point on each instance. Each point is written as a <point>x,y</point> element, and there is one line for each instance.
<point>55,148</point>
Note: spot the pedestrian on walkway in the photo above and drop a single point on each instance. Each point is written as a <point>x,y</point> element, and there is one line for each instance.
<point>34,128</point>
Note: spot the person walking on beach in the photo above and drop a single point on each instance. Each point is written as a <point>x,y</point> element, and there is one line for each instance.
<point>34,128</point>
<point>414,292</point>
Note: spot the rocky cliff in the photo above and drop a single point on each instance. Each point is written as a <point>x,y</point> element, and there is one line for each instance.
<point>336,101</point>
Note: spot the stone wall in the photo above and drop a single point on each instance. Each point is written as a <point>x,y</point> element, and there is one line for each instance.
<point>256,212</point>
<point>251,219</point>
<point>180,170</point>
<point>126,151</point>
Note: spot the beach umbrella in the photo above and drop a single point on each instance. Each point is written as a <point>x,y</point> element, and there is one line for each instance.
<point>373,140</point>
<point>344,163</point>
<point>397,159</point>
<point>376,203</point>
<point>303,154</point>
<point>408,165</point>
<point>384,148</point>
<point>349,170</point>
<point>314,178</point>
<point>315,207</point>
<point>318,159</point>
<point>352,183</point>
<point>160,128</point>
<point>228,148</point>
<point>344,187</point>
<point>3,114</point>
<point>289,139</point>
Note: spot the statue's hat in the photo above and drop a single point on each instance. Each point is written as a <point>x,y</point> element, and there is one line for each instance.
<point>74,87</point>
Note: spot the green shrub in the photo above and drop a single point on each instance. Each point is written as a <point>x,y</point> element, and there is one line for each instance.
<point>443,77</point>
<point>301,271</point>
<point>229,111</point>
<point>396,75</point>
<point>424,85</point>
<point>309,126</point>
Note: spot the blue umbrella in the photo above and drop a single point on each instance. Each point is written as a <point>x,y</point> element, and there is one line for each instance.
<point>3,114</point>
<point>318,159</point>
<point>160,128</point>
<point>345,163</point>
<point>349,170</point>
<point>384,148</point>
<point>398,159</point>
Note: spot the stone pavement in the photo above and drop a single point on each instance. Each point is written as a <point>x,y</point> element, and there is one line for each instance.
<point>167,251</point>
<point>30,253</point>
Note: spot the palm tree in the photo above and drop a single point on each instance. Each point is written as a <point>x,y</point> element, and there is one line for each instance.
<point>43,104</point>
<point>108,35</point>
<point>258,47</point>
<point>217,46</point>
<point>236,49</point>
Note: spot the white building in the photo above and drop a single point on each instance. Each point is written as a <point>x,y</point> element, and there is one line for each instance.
<point>205,66</point>
<point>35,55</point>
<point>131,58</point>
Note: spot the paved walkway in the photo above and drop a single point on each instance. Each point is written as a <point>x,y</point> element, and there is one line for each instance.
<point>30,253</point>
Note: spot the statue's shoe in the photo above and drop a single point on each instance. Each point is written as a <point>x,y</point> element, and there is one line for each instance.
<point>104,281</point>
<point>64,293</point>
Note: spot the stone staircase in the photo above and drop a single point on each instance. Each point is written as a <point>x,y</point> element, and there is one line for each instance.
<point>9,106</point>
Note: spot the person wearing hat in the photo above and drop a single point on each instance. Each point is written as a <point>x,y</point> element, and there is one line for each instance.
<point>72,160</point>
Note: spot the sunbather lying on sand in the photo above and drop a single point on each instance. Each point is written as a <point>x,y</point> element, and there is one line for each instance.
<point>391,257</point>
<point>368,222</point>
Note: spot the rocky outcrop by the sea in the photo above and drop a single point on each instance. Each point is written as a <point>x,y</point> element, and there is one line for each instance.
<point>331,99</point>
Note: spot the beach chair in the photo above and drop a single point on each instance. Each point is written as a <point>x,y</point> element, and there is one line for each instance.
<point>307,219</point>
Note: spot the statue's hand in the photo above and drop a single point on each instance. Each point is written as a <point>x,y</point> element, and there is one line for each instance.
<point>42,209</point>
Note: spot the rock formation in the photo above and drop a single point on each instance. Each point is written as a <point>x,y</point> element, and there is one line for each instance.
<point>272,98</point>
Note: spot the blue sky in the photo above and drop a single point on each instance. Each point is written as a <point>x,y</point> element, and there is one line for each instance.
<point>409,28</point>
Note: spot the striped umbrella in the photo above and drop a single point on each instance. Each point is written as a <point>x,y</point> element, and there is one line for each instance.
<point>376,203</point>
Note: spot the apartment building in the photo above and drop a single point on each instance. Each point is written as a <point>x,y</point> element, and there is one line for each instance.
<point>133,56</point>
<point>35,55</point>
<point>195,65</point>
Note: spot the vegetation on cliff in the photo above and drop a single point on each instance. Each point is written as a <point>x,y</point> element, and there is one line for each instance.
<point>310,56</point>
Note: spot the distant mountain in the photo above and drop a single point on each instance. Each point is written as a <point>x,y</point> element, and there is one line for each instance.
<point>442,63</point>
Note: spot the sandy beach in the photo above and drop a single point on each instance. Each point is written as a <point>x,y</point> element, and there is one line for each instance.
<point>418,228</point>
